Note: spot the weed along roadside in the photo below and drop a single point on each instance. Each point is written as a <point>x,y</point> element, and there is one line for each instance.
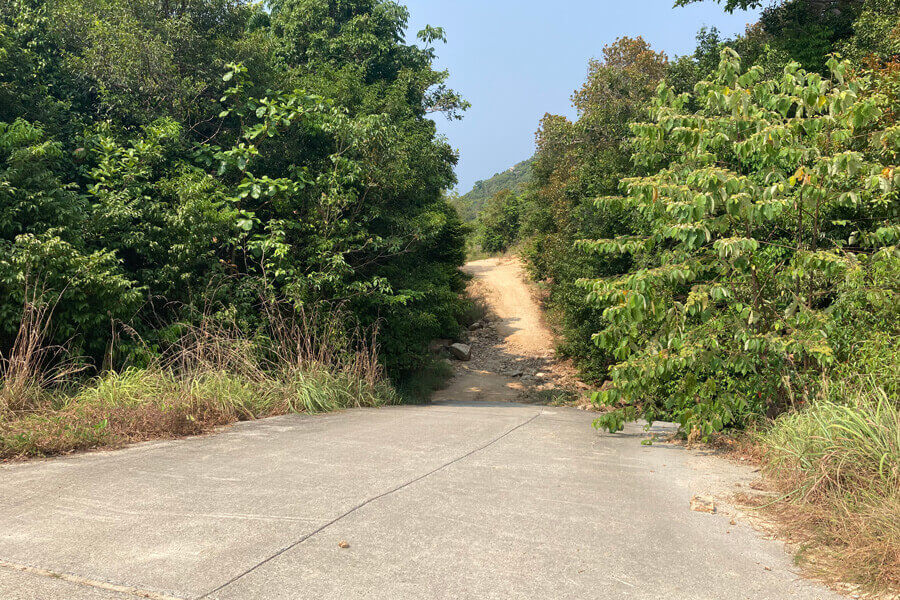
<point>211,375</point>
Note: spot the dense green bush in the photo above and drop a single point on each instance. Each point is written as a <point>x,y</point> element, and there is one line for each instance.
<point>779,190</point>
<point>158,161</point>
<point>498,224</point>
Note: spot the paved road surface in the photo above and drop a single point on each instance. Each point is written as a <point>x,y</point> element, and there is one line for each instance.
<point>455,500</point>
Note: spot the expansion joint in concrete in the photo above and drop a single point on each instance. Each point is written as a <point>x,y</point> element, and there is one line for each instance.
<point>365,503</point>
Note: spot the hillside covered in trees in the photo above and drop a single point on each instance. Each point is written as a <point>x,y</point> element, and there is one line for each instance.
<point>514,179</point>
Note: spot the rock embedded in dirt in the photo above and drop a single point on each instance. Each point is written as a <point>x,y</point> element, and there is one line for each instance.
<point>476,326</point>
<point>461,351</point>
<point>703,504</point>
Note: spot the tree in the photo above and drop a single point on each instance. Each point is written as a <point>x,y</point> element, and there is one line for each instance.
<point>498,224</point>
<point>576,162</point>
<point>807,31</point>
<point>209,151</point>
<point>778,190</point>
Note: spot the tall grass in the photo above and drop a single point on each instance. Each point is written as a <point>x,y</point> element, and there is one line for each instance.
<point>837,462</point>
<point>212,375</point>
<point>32,365</point>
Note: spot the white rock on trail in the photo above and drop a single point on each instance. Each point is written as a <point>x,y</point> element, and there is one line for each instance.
<point>461,351</point>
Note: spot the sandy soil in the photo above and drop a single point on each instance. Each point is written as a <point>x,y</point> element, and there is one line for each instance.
<point>517,317</point>
<point>513,355</point>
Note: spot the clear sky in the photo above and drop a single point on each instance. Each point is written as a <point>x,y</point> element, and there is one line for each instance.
<point>515,60</point>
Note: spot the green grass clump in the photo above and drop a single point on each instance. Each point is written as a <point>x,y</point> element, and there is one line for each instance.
<point>838,463</point>
<point>141,404</point>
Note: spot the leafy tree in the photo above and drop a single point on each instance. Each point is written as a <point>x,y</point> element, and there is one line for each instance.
<point>807,31</point>
<point>195,154</point>
<point>876,33</point>
<point>40,246</point>
<point>777,190</point>
<point>575,162</point>
<point>498,224</point>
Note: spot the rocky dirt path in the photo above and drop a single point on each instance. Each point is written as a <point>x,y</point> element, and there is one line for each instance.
<point>513,348</point>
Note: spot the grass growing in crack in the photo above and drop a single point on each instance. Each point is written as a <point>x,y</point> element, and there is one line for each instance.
<point>837,462</point>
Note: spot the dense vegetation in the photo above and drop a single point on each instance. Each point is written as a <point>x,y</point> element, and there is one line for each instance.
<point>156,158</point>
<point>499,223</point>
<point>774,194</point>
<point>471,204</point>
<point>719,234</point>
<point>707,224</point>
<point>165,164</point>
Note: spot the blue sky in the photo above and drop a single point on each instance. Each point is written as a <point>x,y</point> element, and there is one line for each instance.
<point>515,60</point>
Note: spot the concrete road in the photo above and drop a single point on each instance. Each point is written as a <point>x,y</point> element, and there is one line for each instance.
<point>452,500</point>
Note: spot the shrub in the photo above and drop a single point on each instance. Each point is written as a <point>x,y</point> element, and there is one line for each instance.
<point>498,224</point>
<point>779,191</point>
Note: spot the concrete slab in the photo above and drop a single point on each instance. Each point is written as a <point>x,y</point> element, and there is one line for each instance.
<point>453,500</point>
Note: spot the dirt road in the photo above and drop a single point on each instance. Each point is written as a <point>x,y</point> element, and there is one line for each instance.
<point>513,356</point>
<point>519,320</point>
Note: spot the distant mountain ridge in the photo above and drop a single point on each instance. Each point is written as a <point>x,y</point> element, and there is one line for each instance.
<point>513,179</point>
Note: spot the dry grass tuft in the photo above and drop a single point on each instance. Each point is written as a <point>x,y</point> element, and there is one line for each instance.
<point>32,365</point>
<point>212,375</point>
<point>836,465</point>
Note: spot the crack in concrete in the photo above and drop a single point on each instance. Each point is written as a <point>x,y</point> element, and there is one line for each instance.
<point>84,581</point>
<point>365,503</point>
